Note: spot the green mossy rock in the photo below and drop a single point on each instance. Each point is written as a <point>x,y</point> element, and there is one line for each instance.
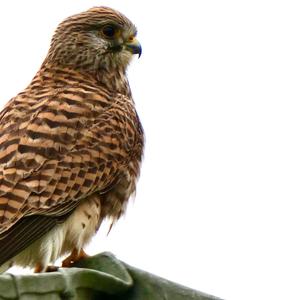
<point>100,277</point>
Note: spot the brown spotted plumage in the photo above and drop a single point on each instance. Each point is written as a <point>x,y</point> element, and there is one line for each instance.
<point>70,144</point>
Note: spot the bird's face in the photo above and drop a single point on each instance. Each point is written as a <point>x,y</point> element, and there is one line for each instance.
<point>99,39</point>
<point>119,41</point>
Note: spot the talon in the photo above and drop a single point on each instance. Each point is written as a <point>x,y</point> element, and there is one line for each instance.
<point>38,268</point>
<point>73,258</point>
<point>52,269</point>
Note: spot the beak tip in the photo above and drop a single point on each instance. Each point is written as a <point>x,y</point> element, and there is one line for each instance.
<point>135,48</point>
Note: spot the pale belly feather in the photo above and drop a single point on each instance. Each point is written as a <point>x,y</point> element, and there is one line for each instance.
<point>75,232</point>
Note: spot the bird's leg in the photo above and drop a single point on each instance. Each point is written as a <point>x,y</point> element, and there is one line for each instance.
<point>73,257</point>
<point>82,254</point>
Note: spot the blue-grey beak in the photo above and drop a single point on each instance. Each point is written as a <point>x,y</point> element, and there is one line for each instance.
<point>134,46</point>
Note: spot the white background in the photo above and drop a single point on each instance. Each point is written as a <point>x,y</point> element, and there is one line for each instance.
<point>217,89</point>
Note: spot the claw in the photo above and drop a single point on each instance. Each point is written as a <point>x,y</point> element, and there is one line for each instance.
<point>39,268</point>
<point>73,258</point>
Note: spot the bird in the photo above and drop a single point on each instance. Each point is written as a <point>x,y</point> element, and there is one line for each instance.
<point>71,143</point>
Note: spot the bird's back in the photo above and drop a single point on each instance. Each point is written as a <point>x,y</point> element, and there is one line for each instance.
<point>62,139</point>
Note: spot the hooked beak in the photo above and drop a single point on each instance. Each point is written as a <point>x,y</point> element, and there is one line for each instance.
<point>134,46</point>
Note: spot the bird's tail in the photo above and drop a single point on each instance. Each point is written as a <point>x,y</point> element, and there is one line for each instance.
<point>4,267</point>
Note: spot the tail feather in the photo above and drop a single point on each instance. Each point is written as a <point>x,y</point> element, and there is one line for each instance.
<point>4,267</point>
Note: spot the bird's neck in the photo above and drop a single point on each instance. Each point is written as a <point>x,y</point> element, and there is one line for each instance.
<point>115,81</point>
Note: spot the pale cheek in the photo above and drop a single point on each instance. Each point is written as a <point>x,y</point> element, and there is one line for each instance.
<point>125,58</point>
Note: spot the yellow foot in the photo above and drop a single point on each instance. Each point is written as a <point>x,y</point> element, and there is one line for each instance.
<point>73,258</point>
<point>52,269</point>
<point>39,268</point>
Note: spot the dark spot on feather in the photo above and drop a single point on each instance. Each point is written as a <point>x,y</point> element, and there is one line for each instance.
<point>87,214</point>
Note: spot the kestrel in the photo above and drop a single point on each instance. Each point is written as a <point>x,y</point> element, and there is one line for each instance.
<point>71,143</point>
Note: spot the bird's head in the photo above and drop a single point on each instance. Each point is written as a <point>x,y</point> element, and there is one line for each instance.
<point>98,39</point>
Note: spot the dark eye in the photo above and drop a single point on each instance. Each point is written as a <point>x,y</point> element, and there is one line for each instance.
<point>109,31</point>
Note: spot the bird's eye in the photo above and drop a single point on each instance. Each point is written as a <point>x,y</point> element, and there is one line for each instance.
<point>109,31</point>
